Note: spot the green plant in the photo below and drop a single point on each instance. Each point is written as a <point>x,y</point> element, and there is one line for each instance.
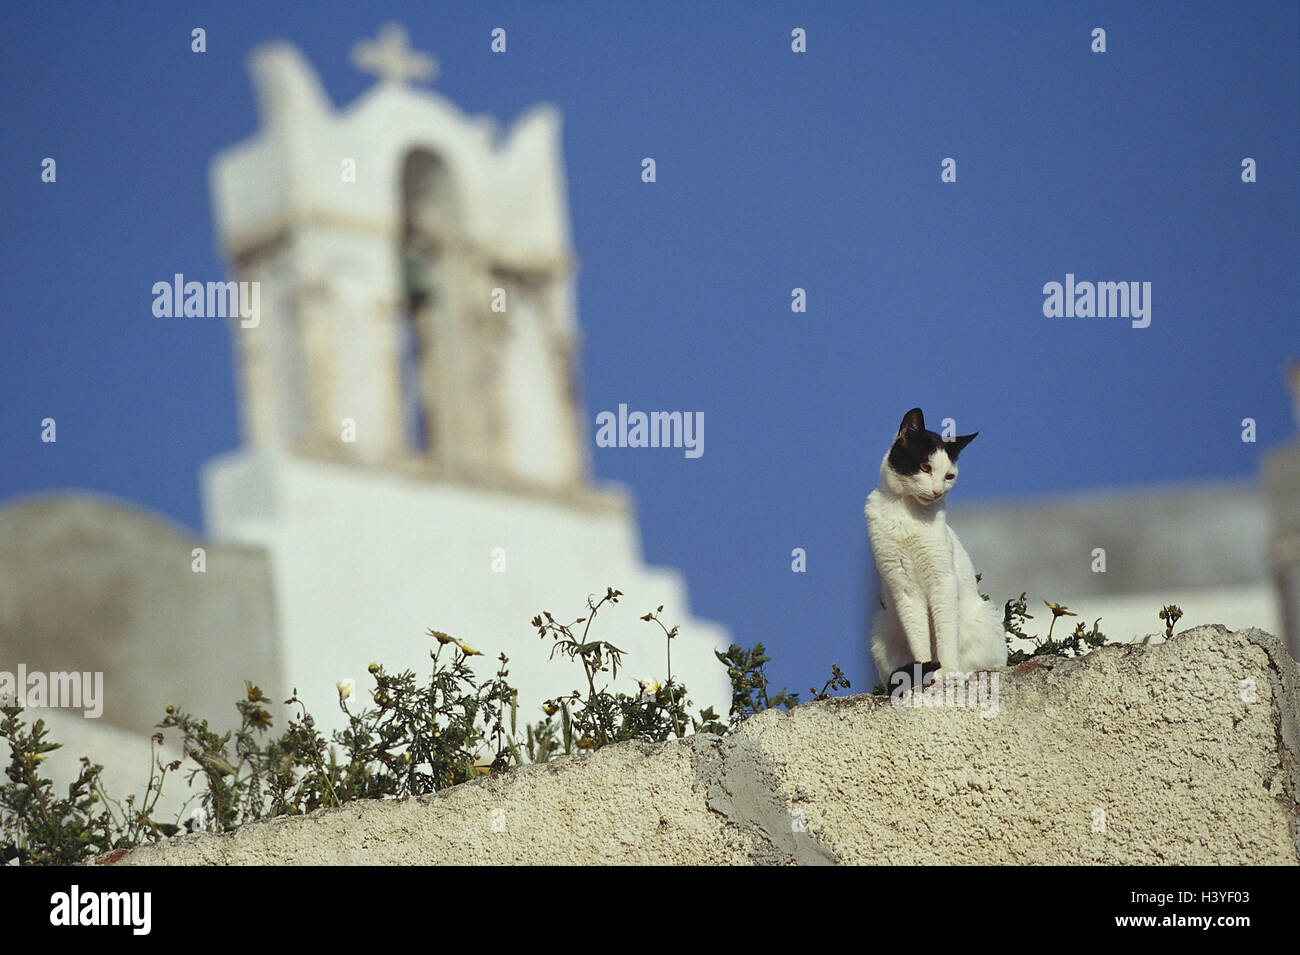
<point>1078,643</point>
<point>600,717</point>
<point>419,736</point>
<point>38,827</point>
<point>749,682</point>
<point>838,681</point>
<point>1170,614</point>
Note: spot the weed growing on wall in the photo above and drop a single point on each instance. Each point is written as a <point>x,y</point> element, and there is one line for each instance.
<point>416,736</point>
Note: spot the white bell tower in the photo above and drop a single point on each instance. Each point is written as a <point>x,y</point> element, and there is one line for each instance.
<point>417,276</point>
<point>414,452</point>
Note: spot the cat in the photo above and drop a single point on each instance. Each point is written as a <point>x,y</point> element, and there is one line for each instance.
<point>934,615</point>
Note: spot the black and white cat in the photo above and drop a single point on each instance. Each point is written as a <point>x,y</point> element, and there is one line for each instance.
<point>933,612</point>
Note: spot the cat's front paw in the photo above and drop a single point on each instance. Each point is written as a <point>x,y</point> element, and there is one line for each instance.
<point>912,678</point>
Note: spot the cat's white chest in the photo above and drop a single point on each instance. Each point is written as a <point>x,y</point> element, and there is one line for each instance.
<point>894,521</point>
<point>916,547</point>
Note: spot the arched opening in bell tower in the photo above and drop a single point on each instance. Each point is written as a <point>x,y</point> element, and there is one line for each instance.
<point>430,223</point>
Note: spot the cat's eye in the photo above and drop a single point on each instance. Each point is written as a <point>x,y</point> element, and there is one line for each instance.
<point>951,476</point>
<point>925,468</point>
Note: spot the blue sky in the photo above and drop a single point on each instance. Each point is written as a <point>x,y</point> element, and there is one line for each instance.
<point>775,170</point>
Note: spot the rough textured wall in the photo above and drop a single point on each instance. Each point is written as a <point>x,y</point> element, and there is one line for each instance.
<point>1182,752</point>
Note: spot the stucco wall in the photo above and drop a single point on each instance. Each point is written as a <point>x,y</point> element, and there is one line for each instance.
<point>1180,753</point>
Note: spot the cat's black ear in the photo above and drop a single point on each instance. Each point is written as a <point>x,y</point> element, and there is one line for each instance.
<point>954,446</point>
<point>912,421</point>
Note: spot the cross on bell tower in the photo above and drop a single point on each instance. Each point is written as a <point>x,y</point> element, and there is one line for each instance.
<point>391,58</point>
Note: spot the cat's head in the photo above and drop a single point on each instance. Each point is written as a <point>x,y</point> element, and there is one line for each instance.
<point>921,464</point>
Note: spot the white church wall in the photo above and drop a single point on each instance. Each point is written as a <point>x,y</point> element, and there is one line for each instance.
<point>536,404</point>
<point>365,561</point>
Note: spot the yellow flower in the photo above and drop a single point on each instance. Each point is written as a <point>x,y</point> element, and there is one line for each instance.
<point>254,694</point>
<point>347,689</point>
<point>586,743</point>
<point>443,638</point>
<point>550,709</point>
<point>468,650</point>
<point>1059,611</point>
